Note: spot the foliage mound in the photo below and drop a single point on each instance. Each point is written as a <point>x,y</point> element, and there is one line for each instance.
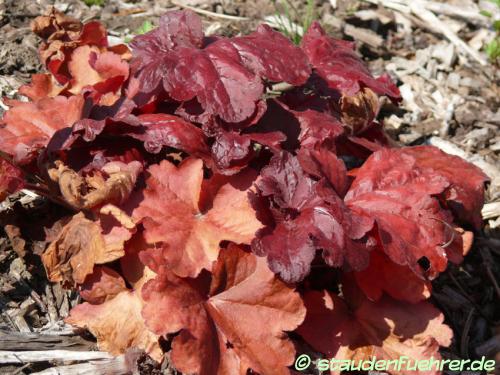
<point>242,222</point>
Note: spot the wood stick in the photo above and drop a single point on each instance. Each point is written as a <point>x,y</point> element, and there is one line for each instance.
<point>421,9</point>
<point>114,366</point>
<point>418,8</point>
<point>211,14</point>
<point>13,341</point>
<point>7,356</point>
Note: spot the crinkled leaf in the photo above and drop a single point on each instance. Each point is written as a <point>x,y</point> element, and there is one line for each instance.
<point>317,128</point>
<point>465,194</point>
<point>104,71</point>
<point>323,163</point>
<point>156,131</point>
<point>400,194</point>
<point>225,76</point>
<point>110,185</point>
<point>117,324</point>
<point>336,62</point>
<point>307,215</point>
<point>83,243</point>
<point>101,285</point>
<point>358,111</point>
<point>284,181</point>
<point>56,24</point>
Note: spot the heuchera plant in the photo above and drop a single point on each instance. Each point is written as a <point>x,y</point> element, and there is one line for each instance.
<point>240,223</point>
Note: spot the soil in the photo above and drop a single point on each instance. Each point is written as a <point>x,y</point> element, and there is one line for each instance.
<point>468,294</point>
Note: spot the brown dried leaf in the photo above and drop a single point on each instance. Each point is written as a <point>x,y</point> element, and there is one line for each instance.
<point>113,186</point>
<point>83,243</point>
<point>359,111</point>
<point>56,22</point>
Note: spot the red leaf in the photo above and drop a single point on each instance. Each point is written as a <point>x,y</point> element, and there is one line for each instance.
<point>466,192</point>
<point>336,62</point>
<point>11,179</point>
<point>307,215</point>
<point>324,163</point>
<point>288,247</point>
<point>156,131</point>
<point>167,130</point>
<point>383,275</point>
<point>317,127</point>
<point>231,152</point>
<point>399,191</point>
<point>225,75</point>
<point>218,332</point>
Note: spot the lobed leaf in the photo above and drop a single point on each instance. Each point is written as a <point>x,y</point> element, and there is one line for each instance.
<point>386,330</point>
<point>338,65</point>
<point>223,75</point>
<point>26,128</point>
<point>219,334</point>
<point>187,235</point>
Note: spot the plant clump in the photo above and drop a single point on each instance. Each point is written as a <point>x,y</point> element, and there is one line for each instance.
<point>240,223</point>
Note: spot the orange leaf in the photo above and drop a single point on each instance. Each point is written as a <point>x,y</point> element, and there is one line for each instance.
<point>41,86</point>
<point>189,238</point>
<point>238,326</point>
<point>88,67</point>
<point>117,324</point>
<point>29,126</point>
<point>112,184</point>
<point>387,329</point>
<point>383,275</point>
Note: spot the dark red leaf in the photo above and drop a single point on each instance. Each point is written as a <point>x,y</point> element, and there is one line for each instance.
<point>336,62</point>
<point>308,216</point>
<point>225,76</point>
<point>11,179</point>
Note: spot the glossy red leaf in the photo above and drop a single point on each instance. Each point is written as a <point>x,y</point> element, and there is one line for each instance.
<point>465,194</point>
<point>402,198</point>
<point>336,62</point>
<point>225,76</point>
<point>307,216</point>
